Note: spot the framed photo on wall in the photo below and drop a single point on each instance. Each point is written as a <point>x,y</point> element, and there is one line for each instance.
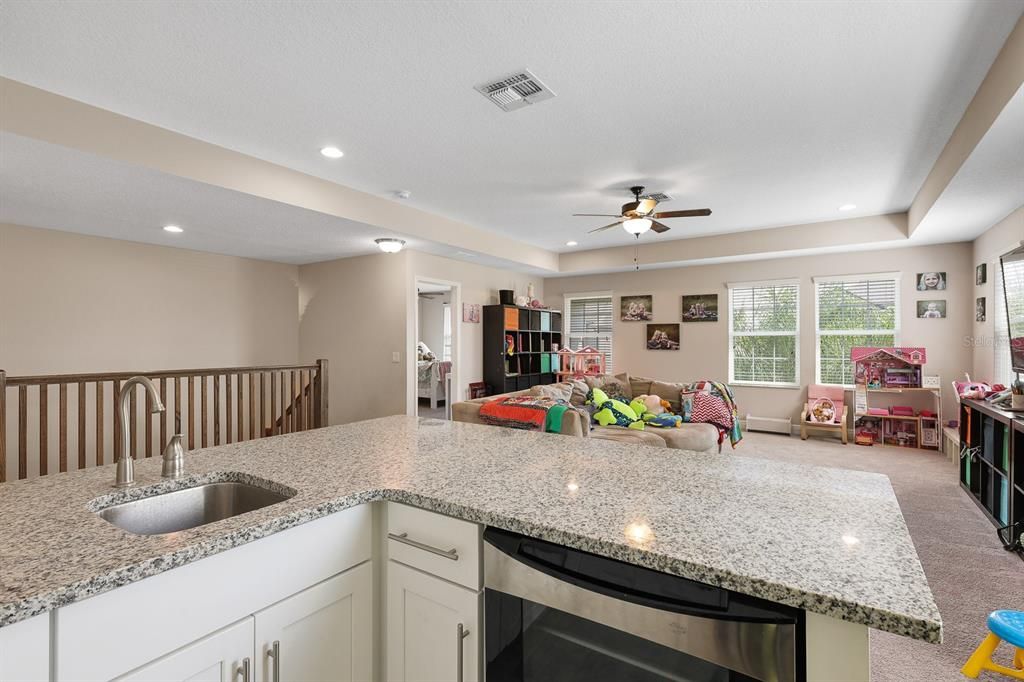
<point>700,308</point>
<point>931,310</point>
<point>981,274</point>
<point>663,336</point>
<point>931,281</point>
<point>636,308</point>
<point>471,312</point>
<point>979,309</point>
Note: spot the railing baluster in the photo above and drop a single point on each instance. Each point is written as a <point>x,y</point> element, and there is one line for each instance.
<point>293,389</point>
<point>227,408</point>
<point>216,409</point>
<point>252,405</point>
<point>22,432</point>
<point>3,426</point>
<point>206,414</point>
<point>62,417</point>
<point>263,405</point>
<point>177,406</point>
<point>191,412</point>
<point>273,403</point>
<point>240,406</point>
<point>163,417</point>
<point>131,447</point>
<point>116,435</point>
<point>81,424</point>
<point>99,423</point>
<point>284,403</point>
<point>44,430</point>
<point>322,392</point>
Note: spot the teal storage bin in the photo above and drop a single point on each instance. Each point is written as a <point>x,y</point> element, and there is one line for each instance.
<point>545,321</point>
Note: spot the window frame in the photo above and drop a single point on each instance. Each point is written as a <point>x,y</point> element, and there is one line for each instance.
<point>567,335</point>
<point>896,277</point>
<point>765,284</point>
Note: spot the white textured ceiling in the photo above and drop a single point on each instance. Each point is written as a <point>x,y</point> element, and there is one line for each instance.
<point>768,113</point>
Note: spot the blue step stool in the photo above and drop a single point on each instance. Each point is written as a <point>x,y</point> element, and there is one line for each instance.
<point>1005,626</point>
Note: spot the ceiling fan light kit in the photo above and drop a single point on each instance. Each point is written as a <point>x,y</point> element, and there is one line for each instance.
<point>637,216</point>
<point>637,226</point>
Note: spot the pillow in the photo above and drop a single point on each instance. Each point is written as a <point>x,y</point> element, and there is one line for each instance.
<point>579,392</point>
<point>668,391</point>
<point>711,409</point>
<point>560,391</point>
<point>616,386</point>
<point>641,386</point>
<point>424,353</point>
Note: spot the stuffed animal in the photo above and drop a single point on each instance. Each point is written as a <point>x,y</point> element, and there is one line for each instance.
<point>654,404</point>
<point>665,420</point>
<point>652,410</point>
<point>971,389</point>
<point>613,412</point>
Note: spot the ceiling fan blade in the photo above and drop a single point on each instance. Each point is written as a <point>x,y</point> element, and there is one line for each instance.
<point>606,227</point>
<point>645,206</point>
<point>691,213</point>
<point>659,227</point>
<point>598,215</point>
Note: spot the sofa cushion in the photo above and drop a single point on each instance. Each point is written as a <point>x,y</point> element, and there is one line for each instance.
<point>696,437</point>
<point>668,391</point>
<point>639,386</point>
<point>620,434</point>
<point>579,392</point>
<point>615,385</point>
<point>559,391</point>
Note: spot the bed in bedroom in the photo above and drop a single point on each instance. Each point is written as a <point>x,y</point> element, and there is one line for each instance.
<point>431,376</point>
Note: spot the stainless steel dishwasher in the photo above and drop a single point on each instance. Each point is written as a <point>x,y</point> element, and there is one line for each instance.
<point>554,613</point>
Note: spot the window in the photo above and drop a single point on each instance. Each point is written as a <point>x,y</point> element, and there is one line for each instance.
<point>859,310</point>
<point>764,331</point>
<point>446,350</point>
<point>589,323</point>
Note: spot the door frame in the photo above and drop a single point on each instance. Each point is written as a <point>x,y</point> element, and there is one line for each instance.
<point>412,333</point>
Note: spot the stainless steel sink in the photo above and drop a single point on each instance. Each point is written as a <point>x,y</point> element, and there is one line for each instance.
<point>190,507</point>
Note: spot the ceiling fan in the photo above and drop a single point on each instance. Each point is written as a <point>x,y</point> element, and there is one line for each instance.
<point>637,216</point>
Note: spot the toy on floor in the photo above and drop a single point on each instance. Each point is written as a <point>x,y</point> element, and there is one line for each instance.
<point>613,412</point>
<point>976,390</point>
<point>1002,625</point>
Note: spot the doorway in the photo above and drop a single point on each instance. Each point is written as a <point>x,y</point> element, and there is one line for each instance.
<point>436,349</point>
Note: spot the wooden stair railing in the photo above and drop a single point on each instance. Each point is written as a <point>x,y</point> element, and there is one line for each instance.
<point>71,421</point>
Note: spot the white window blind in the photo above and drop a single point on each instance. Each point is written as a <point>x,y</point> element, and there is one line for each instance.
<point>764,332</point>
<point>1009,278</point>
<point>589,323</point>
<point>446,351</point>
<point>853,311</point>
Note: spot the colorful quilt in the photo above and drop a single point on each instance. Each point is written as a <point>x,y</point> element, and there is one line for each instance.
<point>532,413</point>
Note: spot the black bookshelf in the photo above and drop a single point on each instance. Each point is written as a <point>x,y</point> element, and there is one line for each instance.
<point>992,466</point>
<point>536,334</point>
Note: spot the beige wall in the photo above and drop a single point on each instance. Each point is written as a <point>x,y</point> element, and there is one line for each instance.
<point>74,303</point>
<point>705,351</point>
<point>353,313</point>
<point>1000,238</point>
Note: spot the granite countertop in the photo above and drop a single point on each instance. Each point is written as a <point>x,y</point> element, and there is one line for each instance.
<point>826,540</point>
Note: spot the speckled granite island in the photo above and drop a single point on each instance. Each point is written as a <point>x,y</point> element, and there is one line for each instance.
<point>829,541</point>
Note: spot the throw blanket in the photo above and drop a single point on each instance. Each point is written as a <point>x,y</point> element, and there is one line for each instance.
<point>722,412</point>
<point>431,371</point>
<point>534,413</point>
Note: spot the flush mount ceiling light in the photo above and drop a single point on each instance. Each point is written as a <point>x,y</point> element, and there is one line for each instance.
<point>637,226</point>
<point>847,207</point>
<point>389,245</point>
<point>571,243</point>
<point>332,152</point>
<point>173,228</point>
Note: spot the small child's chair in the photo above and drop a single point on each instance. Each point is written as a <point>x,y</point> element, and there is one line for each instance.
<point>834,393</point>
<point>1002,625</point>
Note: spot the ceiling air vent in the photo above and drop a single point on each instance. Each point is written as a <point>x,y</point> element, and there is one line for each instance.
<point>515,91</point>
<point>660,197</point>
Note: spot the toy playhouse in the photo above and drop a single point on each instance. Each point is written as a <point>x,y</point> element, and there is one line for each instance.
<point>893,372</point>
<point>587,361</point>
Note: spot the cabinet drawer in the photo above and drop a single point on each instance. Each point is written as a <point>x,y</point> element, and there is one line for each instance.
<point>440,545</point>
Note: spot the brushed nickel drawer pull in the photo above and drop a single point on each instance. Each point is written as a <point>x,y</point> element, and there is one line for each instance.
<point>244,671</point>
<point>404,538</point>
<point>274,653</point>
<point>463,633</point>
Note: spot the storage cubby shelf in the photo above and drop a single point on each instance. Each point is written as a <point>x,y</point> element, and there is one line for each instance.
<point>535,333</point>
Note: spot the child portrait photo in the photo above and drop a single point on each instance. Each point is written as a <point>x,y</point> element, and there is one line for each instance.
<point>637,308</point>
<point>663,336</point>
<point>931,281</point>
<point>979,310</point>
<point>702,308</point>
<point>931,309</point>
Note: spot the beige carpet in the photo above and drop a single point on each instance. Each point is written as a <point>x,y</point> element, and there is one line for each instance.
<point>969,572</point>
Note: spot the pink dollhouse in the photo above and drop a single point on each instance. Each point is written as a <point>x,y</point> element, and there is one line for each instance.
<point>888,367</point>
<point>587,361</point>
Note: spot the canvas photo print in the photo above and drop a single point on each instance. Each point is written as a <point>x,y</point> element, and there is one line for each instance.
<point>981,274</point>
<point>931,309</point>
<point>700,308</point>
<point>979,310</point>
<point>931,281</point>
<point>637,308</point>
<point>663,336</point>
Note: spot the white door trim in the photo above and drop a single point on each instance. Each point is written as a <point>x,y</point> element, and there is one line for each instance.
<point>412,333</point>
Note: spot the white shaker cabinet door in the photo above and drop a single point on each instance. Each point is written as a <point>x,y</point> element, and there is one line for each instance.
<point>220,657</point>
<point>425,616</point>
<point>322,633</point>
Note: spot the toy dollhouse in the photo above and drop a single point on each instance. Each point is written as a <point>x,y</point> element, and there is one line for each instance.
<point>587,361</point>
<point>882,374</point>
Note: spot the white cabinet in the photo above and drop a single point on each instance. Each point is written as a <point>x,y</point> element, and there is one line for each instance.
<point>25,650</point>
<point>322,633</point>
<point>221,657</point>
<point>425,616</point>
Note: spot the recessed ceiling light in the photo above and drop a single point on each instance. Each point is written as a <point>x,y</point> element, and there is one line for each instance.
<point>571,243</point>
<point>172,228</point>
<point>403,194</point>
<point>332,152</point>
<point>847,207</point>
<point>389,245</point>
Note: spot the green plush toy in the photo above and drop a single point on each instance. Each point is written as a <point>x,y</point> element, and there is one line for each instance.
<point>615,412</point>
<point>641,405</point>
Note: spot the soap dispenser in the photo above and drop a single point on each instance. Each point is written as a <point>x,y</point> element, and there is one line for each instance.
<point>174,458</point>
